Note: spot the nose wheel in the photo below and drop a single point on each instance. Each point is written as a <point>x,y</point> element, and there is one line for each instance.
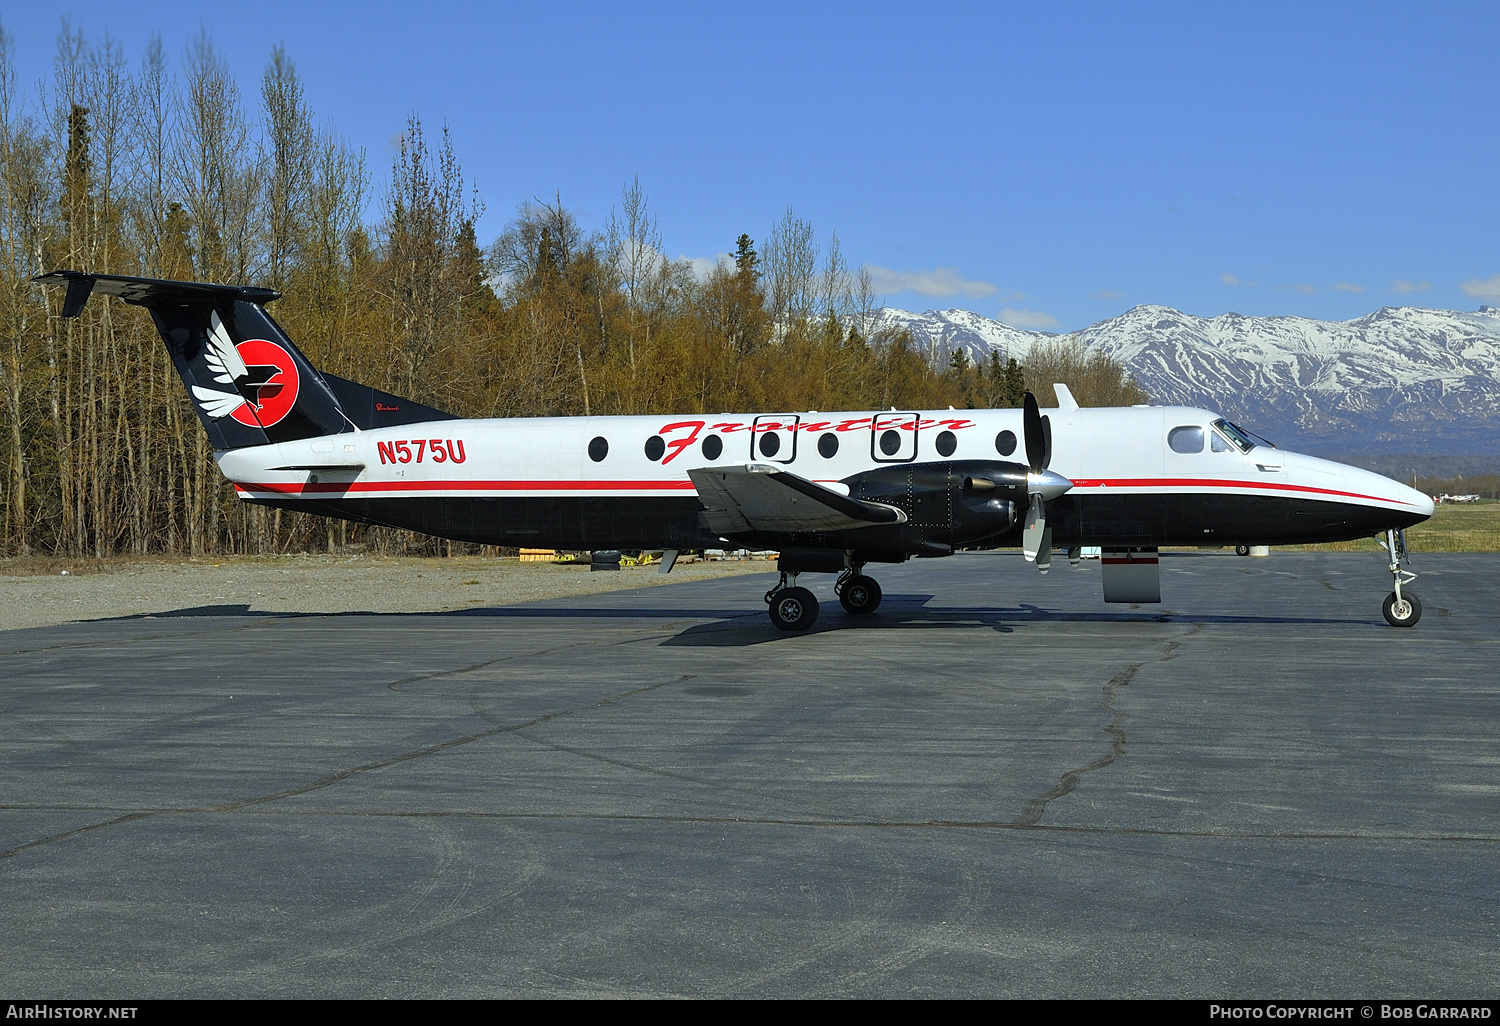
<point>1401,608</point>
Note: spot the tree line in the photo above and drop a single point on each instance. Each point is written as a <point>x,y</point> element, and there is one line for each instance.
<point>163,168</point>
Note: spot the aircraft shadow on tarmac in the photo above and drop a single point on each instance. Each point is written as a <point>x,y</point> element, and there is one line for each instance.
<point>909,612</point>
<point>740,627</point>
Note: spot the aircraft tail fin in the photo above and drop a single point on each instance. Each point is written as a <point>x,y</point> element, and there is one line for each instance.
<point>249,383</point>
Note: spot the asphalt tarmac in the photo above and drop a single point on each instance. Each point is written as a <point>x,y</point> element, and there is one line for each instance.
<point>995,786</point>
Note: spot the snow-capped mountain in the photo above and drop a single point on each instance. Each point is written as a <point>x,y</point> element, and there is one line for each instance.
<point>1402,379</point>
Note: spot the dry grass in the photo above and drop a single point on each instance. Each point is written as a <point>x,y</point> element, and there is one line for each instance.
<point>1454,527</point>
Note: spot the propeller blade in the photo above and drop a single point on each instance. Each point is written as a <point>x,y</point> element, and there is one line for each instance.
<point>1044,553</point>
<point>1036,442</point>
<point>1046,442</point>
<point>1036,527</point>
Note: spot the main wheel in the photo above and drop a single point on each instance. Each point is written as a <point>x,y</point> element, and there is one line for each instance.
<point>860,595</point>
<point>794,609</point>
<point>1242,550</point>
<point>1403,613</point>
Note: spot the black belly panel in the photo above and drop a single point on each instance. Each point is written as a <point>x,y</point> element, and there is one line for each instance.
<point>1213,519</point>
<point>628,522</point>
<point>545,522</point>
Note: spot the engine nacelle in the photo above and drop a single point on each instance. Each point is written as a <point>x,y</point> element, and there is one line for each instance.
<point>949,505</point>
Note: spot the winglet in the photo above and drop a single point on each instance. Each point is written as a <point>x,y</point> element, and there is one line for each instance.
<point>1065,400</point>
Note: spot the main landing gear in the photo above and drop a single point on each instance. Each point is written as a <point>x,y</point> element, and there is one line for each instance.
<point>857,593</point>
<point>1401,608</point>
<point>792,608</point>
<point>796,609</point>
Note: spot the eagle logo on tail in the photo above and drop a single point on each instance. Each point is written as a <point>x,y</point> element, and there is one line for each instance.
<point>261,373</point>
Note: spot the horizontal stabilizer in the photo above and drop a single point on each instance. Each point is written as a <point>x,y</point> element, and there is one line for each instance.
<point>762,498</point>
<point>148,291</point>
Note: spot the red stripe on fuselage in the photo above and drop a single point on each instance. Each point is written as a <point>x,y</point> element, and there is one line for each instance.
<point>1198,482</point>
<point>344,487</point>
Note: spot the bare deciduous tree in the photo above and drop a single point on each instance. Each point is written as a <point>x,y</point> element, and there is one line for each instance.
<point>791,272</point>
<point>1093,376</point>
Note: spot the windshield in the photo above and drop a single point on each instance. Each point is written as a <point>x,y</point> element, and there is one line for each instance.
<point>1260,439</point>
<point>1241,439</point>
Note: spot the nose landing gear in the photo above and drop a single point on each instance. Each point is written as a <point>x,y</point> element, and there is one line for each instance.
<point>1401,608</point>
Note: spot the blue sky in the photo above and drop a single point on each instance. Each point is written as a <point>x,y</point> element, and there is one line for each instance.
<point>1051,163</point>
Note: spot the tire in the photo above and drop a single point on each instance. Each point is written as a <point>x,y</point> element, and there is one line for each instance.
<point>794,609</point>
<point>1242,550</point>
<point>860,595</point>
<point>1399,617</point>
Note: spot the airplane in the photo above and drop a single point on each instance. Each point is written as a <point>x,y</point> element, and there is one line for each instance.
<point>830,492</point>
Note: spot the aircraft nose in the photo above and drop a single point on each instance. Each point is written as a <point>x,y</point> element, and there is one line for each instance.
<point>1399,496</point>
<point>1422,503</point>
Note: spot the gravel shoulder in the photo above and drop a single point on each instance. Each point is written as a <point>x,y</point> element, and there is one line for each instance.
<point>40,593</point>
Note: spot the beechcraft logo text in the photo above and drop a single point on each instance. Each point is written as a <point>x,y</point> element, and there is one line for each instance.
<point>261,373</point>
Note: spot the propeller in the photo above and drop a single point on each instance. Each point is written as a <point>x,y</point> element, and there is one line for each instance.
<point>1041,484</point>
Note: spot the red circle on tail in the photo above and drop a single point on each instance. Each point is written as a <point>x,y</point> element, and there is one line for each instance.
<point>278,392</point>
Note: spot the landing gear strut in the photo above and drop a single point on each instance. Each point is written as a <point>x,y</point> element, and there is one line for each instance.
<point>1401,608</point>
<point>857,593</point>
<point>792,608</point>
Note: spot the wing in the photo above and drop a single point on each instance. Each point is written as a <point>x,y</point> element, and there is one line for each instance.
<point>222,357</point>
<point>758,497</point>
<point>217,404</point>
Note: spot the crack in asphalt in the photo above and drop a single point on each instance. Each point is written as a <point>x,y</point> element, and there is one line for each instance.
<point>1037,807</point>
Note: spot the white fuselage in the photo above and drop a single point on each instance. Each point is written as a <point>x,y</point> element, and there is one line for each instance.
<point>1114,451</point>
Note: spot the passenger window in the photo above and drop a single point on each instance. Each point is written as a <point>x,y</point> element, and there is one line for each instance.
<point>655,447</point>
<point>713,447</point>
<point>598,449</point>
<point>1217,443</point>
<point>1186,439</point>
<point>828,445</point>
<point>947,441</point>
<point>1005,443</point>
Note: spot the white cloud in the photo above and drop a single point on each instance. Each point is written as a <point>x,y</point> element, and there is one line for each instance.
<point>1487,288</point>
<point>1108,294</point>
<point>1230,280</point>
<point>1033,319</point>
<point>1306,290</point>
<point>702,267</point>
<point>942,281</point>
<point>1344,286</point>
<point>1403,287</point>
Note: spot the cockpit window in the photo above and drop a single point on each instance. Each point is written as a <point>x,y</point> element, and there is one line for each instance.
<point>1239,437</point>
<point>1186,439</point>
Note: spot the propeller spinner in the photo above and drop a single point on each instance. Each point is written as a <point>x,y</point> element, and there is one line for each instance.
<point>1041,484</point>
